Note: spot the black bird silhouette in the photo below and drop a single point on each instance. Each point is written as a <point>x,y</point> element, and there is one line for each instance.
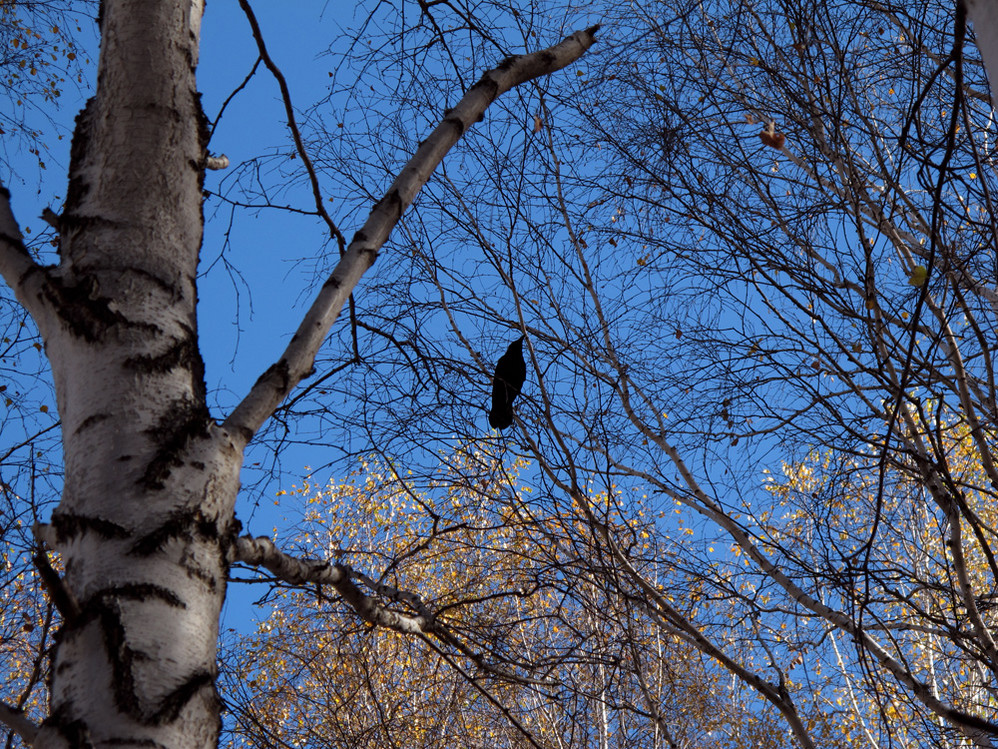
<point>511,371</point>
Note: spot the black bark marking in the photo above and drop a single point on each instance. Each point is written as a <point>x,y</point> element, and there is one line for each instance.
<point>97,606</point>
<point>204,576</point>
<point>130,741</point>
<point>172,705</point>
<point>187,420</point>
<point>90,421</point>
<point>69,526</point>
<point>280,372</point>
<point>186,524</point>
<point>86,315</point>
<point>204,136</point>
<point>486,82</point>
<point>124,659</point>
<point>133,592</point>
<point>78,189</point>
<point>191,527</point>
<point>69,223</point>
<point>229,535</point>
<point>197,368</point>
<point>456,122</point>
<point>396,200</point>
<point>162,284</point>
<point>182,353</point>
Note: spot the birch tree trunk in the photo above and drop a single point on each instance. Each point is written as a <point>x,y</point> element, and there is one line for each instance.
<point>146,526</point>
<point>150,480</point>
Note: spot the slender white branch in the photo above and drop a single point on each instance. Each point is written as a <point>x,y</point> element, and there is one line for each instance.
<point>262,552</point>
<point>21,273</point>
<point>296,362</point>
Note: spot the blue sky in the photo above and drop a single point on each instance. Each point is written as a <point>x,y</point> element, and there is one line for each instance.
<point>246,320</point>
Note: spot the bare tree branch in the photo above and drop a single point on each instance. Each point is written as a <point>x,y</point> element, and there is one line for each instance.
<point>262,552</point>
<point>292,123</point>
<point>297,361</point>
<point>20,272</point>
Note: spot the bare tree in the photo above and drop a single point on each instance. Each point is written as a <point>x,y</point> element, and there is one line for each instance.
<point>755,268</point>
<point>145,528</point>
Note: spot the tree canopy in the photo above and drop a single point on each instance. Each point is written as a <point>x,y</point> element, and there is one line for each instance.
<point>747,498</point>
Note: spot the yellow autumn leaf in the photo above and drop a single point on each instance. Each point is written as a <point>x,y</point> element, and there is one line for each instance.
<point>918,276</point>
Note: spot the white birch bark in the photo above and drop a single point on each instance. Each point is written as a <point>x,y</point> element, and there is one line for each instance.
<point>146,525</point>
<point>150,481</point>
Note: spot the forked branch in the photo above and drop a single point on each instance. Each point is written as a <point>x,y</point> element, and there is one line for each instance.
<point>262,552</point>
